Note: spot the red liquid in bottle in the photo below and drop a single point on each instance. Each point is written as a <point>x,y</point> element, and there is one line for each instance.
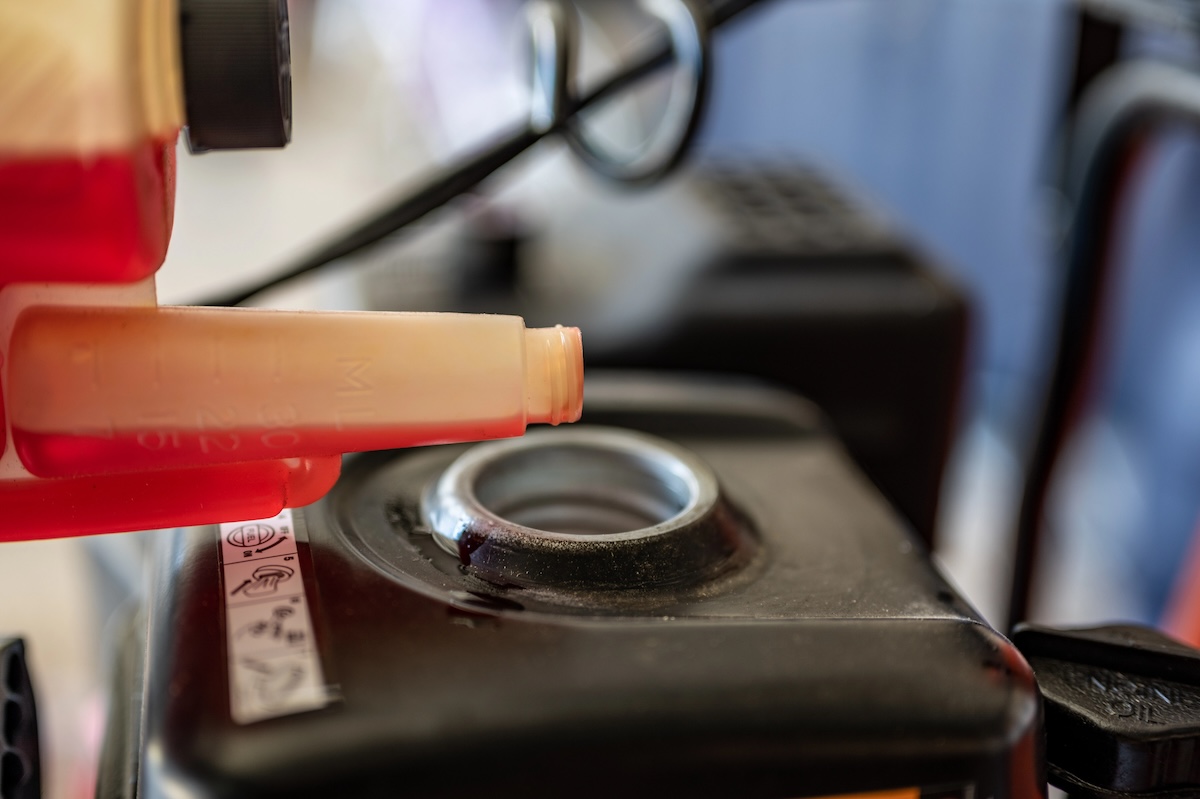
<point>104,218</point>
<point>172,498</point>
<point>59,455</point>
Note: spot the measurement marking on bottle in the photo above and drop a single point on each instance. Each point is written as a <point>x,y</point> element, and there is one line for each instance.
<point>274,667</point>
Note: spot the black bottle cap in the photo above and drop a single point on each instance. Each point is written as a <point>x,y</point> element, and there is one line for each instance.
<point>236,73</point>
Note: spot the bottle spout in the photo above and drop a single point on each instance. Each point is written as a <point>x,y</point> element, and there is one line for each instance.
<point>105,390</point>
<point>553,375</point>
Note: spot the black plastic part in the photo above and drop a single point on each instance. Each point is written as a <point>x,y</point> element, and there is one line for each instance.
<point>838,661</point>
<point>487,262</point>
<point>236,73</point>
<point>1122,707</point>
<point>776,272</point>
<point>20,762</point>
<point>1099,41</point>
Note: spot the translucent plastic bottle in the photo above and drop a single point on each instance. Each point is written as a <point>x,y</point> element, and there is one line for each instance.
<point>89,115</point>
<point>104,390</point>
<point>120,415</point>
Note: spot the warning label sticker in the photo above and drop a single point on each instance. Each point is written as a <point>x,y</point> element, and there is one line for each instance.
<point>274,667</point>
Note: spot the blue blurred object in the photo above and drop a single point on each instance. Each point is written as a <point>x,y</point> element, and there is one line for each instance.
<point>1153,390</point>
<point>947,113</point>
<point>941,111</point>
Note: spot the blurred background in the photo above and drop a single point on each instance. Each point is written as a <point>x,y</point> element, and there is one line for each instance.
<point>944,118</point>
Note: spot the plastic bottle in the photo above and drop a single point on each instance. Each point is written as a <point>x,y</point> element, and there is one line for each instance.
<point>120,415</point>
<point>104,390</point>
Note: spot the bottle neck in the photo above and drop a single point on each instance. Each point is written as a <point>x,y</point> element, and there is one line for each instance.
<point>553,375</point>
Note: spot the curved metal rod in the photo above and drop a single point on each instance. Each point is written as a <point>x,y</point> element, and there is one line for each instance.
<point>468,174</point>
<point>662,153</point>
<point>1121,108</point>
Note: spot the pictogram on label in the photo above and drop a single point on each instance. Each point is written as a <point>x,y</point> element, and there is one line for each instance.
<point>274,666</point>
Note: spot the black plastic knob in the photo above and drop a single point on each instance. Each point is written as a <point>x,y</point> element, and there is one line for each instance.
<point>237,73</point>
<point>20,767</point>
<point>1122,710</point>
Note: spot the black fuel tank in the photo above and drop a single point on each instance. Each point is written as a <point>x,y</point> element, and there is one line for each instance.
<point>771,629</point>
